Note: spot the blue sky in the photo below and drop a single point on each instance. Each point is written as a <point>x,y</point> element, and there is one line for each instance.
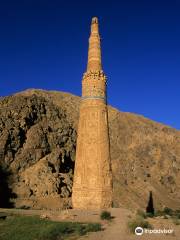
<point>43,44</point>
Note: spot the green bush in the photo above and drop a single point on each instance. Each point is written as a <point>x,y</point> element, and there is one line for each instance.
<point>31,228</point>
<point>168,211</point>
<point>138,222</point>
<point>94,227</point>
<point>91,227</point>
<point>105,215</point>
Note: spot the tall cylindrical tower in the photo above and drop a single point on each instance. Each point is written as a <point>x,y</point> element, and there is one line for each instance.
<point>92,186</point>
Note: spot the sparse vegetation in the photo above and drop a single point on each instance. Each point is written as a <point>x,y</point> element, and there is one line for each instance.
<point>165,213</point>
<point>168,211</point>
<point>138,222</point>
<point>105,215</point>
<point>30,228</point>
<point>141,213</point>
<point>91,227</point>
<point>150,215</point>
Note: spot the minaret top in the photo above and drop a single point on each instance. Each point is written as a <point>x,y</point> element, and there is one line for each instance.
<point>94,53</point>
<point>94,26</point>
<point>94,20</point>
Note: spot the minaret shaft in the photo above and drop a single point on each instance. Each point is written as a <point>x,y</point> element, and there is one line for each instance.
<point>94,53</point>
<point>92,186</point>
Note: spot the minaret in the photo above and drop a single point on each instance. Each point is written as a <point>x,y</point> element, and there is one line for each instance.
<point>92,186</point>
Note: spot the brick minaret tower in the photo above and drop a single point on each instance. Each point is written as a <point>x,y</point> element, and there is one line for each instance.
<point>92,187</point>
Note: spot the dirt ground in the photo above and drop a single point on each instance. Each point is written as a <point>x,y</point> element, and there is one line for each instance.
<point>116,229</point>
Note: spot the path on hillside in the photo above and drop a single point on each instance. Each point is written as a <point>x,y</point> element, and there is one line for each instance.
<point>116,229</point>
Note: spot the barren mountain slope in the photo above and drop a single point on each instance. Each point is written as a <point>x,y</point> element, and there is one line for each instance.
<point>37,150</point>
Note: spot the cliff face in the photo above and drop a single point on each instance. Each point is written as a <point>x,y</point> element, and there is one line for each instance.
<point>37,153</point>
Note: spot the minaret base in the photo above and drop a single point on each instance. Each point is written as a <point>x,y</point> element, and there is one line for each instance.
<point>92,199</point>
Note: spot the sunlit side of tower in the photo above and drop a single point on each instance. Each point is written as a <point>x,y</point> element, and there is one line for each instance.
<point>92,185</point>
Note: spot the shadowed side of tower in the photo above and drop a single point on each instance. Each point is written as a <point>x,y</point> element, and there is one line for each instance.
<point>92,186</point>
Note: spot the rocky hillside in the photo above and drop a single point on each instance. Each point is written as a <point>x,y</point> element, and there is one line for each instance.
<point>37,153</point>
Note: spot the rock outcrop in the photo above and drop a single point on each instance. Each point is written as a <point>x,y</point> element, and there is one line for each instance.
<point>37,153</point>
